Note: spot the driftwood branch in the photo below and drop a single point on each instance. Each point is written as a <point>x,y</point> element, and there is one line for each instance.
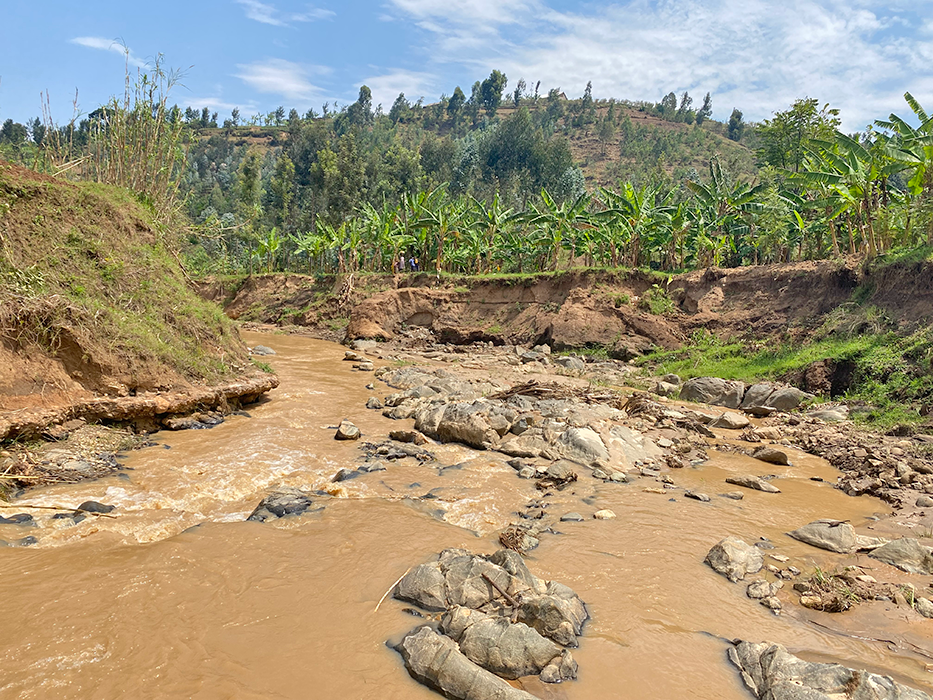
<point>505,595</point>
<point>386,594</point>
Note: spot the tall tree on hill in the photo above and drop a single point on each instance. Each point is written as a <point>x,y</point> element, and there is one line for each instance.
<point>668,106</point>
<point>519,93</point>
<point>400,109</point>
<point>786,136</point>
<point>684,112</point>
<point>475,102</point>
<point>360,113</point>
<point>455,105</point>
<point>555,107</point>
<point>736,126</point>
<point>705,111</point>
<point>491,92</point>
<point>280,188</point>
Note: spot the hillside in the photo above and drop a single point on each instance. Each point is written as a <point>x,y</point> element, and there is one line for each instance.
<point>93,305</point>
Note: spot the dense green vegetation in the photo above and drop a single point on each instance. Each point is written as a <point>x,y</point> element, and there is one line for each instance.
<point>495,182</point>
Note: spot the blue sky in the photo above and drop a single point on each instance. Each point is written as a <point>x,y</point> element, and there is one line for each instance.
<point>757,55</point>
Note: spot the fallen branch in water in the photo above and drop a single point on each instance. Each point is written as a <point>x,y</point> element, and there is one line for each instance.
<point>386,594</point>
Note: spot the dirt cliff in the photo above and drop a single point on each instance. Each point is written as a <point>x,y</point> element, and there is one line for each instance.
<point>93,304</point>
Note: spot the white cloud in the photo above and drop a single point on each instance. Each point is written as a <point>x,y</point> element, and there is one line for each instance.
<point>269,14</point>
<point>217,104</point>
<point>386,87</point>
<point>283,78</point>
<point>757,55</point>
<point>112,45</point>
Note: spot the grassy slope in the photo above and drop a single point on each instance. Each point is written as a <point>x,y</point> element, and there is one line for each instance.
<point>892,360</point>
<point>85,265</point>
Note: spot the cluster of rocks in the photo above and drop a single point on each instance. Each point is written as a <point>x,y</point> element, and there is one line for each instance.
<point>449,409</point>
<point>835,592</point>
<point>494,620</point>
<point>760,399</point>
<point>891,468</point>
<point>64,518</point>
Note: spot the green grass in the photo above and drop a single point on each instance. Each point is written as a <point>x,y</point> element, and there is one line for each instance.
<point>90,260</point>
<point>893,373</point>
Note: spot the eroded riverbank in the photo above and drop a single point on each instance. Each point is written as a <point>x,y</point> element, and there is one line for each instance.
<point>135,605</point>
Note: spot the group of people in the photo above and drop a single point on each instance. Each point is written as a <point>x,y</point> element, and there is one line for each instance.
<point>412,264</point>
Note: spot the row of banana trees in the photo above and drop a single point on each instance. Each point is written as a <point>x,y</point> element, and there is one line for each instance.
<point>861,195</point>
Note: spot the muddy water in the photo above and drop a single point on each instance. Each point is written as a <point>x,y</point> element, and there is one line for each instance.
<point>178,597</point>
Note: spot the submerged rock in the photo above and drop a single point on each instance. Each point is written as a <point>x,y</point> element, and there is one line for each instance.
<point>752,482</point>
<point>95,507</point>
<point>771,673</point>
<point>734,558</point>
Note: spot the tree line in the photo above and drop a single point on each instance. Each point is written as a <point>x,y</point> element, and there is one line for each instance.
<point>465,187</point>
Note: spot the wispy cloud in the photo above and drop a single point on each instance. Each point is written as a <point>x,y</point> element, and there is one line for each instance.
<point>269,14</point>
<point>754,54</point>
<point>218,104</point>
<point>387,86</point>
<point>112,45</point>
<point>289,80</point>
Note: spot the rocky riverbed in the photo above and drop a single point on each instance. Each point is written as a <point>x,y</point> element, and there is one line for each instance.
<point>530,452</point>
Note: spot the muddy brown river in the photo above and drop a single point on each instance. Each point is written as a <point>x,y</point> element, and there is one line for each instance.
<point>178,597</point>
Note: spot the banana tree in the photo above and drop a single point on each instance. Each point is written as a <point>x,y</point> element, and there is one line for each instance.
<point>728,211</point>
<point>912,147</point>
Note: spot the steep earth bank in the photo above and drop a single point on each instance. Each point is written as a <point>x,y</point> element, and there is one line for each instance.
<point>625,312</point>
<point>97,321</point>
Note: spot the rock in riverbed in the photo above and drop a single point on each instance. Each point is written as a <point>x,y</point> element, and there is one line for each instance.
<point>436,661</point>
<point>771,455</point>
<point>734,558</point>
<point>752,482</point>
<point>507,621</point>
<point>347,431</point>
<point>771,673</point>
<point>281,503</point>
<point>827,534</point>
<point>906,554</point>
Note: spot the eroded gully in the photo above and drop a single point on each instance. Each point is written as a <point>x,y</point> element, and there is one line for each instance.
<point>177,596</point>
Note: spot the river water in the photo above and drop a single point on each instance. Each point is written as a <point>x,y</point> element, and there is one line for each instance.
<point>178,597</point>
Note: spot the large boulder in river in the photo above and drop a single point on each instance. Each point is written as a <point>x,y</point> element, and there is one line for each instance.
<point>713,390</point>
<point>280,503</point>
<point>583,445</point>
<point>757,395</point>
<point>734,558</point>
<point>833,535</point>
<point>788,398</point>
<point>467,423</point>
<point>906,554</point>
<point>508,650</point>
<point>771,673</point>
<point>437,661</point>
